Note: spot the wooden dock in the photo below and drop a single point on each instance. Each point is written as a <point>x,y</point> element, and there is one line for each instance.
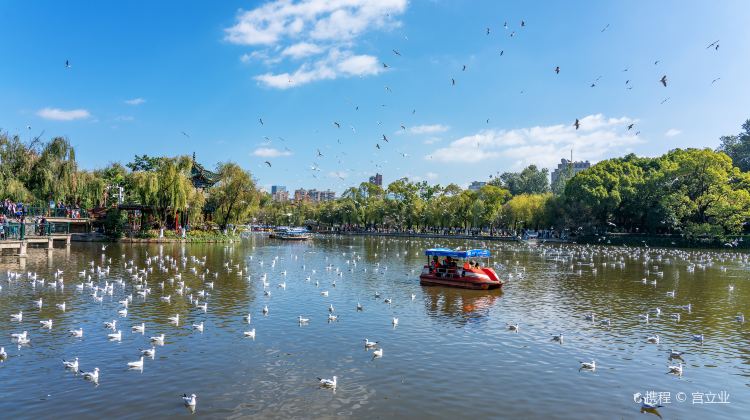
<point>21,245</point>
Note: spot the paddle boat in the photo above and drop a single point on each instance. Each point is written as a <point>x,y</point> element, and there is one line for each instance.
<point>455,270</point>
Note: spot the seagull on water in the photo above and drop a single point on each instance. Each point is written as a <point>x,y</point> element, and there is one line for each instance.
<point>19,335</point>
<point>674,354</point>
<point>370,344</point>
<point>303,320</point>
<point>149,352</point>
<point>111,325</point>
<point>394,321</point>
<point>17,317</point>
<point>250,334</point>
<point>588,365</point>
<point>136,365</point>
<point>653,339</point>
<point>46,324</point>
<point>378,353</point>
<point>92,376</point>
<point>698,337</point>
<point>140,328</point>
<point>645,404</point>
<point>198,327</point>
<point>158,340</point>
<point>514,327</point>
<point>115,336</point>
<point>558,338</point>
<point>190,401</point>
<point>175,319</point>
<point>71,365</point>
<point>328,383</point>
<point>3,354</point>
<point>676,369</point>
<point>76,333</point>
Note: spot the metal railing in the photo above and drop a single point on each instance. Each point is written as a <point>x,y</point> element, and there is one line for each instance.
<point>19,231</point>
<point>32,211</point>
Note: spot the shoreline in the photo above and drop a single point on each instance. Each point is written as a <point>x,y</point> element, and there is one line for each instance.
<point>439,236</point>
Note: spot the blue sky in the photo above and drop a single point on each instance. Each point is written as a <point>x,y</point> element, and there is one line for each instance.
<point>142,73</point>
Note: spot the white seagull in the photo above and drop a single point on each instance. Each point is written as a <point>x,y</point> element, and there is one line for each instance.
<point>71,365</point>
<point>250,334</point>
<point>190,401</point>
<point>136,365</point>
<point>115,336</point>
<point>46,324</point>
<point>676,369</point>
<point>588,365</point>
<point>92,376</point>
<point>328,383</point>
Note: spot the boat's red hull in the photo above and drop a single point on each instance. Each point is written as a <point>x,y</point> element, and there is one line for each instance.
<point>477,279</point>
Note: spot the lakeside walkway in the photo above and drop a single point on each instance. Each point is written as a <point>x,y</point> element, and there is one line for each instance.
<point>441,236</point>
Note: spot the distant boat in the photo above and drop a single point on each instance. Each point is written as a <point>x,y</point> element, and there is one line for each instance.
<point>290,234</point>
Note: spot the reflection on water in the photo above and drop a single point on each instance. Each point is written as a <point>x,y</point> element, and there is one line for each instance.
<point>451,356</point>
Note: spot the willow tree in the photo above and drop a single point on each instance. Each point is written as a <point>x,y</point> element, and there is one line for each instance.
<point>53,172</point>
<point>235,196</point>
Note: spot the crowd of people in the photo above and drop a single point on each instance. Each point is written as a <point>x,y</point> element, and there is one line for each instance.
<point>14,214</point>
<point>12,209</point>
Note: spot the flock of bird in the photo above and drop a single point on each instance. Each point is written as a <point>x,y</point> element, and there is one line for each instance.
<point>133,283</point>
<point>510,32</point>
<point>189,279</point>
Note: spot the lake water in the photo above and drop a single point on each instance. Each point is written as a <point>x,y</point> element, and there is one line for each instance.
<point>451,355</point>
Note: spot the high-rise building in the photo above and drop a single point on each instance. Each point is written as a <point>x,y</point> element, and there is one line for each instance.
<point>476,185</point>
<point>568,165</point>
<point>301,195</point>
<point>318,196</point>
<point>279,193</point>
<point>377,179</point>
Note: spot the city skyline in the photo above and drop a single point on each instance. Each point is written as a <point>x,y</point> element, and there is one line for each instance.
<point>334,100</point>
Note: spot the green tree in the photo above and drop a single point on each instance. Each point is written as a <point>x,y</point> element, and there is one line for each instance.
<point>530,180</point>
<point>235,196</point>
<point>738,147</point>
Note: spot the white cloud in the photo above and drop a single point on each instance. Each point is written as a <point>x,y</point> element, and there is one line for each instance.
<point>301,50</point>
<point>125,118</point>
<point>597,138</point>
<point>270,152</point>
<point>300,30</point>
<point>673,132</point>
<point>428,129</point>
<point>58,114</point>
<point>431,176</point>
<point>333,65</point>
<point>135,101</point>
<point>432,140</point>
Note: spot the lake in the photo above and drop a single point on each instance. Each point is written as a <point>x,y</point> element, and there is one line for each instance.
<point>452,354</point>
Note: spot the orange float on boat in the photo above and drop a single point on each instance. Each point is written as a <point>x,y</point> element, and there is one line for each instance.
<point>452,272</point>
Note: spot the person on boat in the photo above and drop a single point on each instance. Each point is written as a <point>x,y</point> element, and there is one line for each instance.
<point>435,263</point>
<point>468,265</point>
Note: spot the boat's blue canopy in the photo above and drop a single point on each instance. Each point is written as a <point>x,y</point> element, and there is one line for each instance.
<point>447,252</point>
